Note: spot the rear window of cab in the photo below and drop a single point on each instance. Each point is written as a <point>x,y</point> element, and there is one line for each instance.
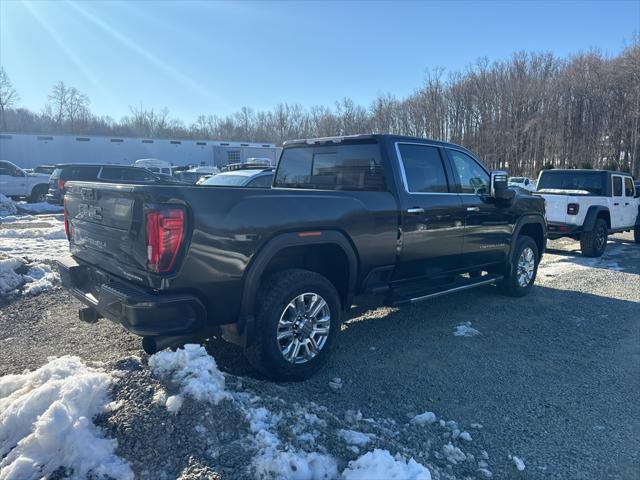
<point>331,167</point>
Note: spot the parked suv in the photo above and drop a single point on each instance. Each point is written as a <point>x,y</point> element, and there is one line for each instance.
<point>16,183</point>
<point>250,177</point>
<point>588,205</point>
<point>274,270</point>
<point>99,173</point>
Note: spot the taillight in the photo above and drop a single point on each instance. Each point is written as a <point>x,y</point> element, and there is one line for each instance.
<point>60,184</point>
<point>165,231</point>
<point>67,231</point>
<point>572,209</point>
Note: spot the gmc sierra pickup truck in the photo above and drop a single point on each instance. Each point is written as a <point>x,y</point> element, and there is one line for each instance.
<point>275,270</point>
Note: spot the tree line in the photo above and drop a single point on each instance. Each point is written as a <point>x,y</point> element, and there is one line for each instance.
<point>531,111</point>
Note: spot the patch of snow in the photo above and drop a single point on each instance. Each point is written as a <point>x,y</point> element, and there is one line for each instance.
<point>32,278</point>
<point>453,454</point>
<point>465,330</point>
<point>518,463</point>
<point>466,436</point>
<point>7,206</point>
<point>40,207</point>
<point>381,465</point>
<point>45,423</point>
<point>174,403</point>
<point>352,437</point>
<point>353,416</point>
<point>292,465</point>
<point>193,370</point>
<point>37,238</point>
<point>424,418</point>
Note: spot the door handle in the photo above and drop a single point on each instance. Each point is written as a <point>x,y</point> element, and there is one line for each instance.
<point>626,203</point>
<point>415,210</point>
<point>473,209</point>
<point>616,204</point>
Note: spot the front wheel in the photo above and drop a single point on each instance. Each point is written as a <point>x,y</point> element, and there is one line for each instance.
<point>298,316</point>
<point>594,242</point>
<point>524,270</point>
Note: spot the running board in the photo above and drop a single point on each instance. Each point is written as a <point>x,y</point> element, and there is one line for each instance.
<point>459,286</point>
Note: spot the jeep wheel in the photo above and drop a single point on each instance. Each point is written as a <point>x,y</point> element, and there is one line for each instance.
<point>594,242</point>
<point>38,194</point>
<point>297,319</point>
<point>524,269</point>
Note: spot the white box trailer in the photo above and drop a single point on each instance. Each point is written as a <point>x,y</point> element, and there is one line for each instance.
<point>30,150</point>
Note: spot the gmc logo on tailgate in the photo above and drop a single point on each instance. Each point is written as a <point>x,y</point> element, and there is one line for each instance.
<point>91,211</point>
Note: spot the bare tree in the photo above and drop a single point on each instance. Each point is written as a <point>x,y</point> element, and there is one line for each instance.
<point>8,96</point>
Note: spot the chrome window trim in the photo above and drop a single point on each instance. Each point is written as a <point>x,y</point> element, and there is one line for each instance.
<point>404,174</point>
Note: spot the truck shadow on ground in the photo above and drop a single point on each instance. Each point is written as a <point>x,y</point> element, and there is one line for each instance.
<point>549,368</point>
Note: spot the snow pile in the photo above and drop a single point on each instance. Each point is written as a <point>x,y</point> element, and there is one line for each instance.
<point>518,463</point>
<point>194,371</point>
<point>38,238</point>
<point>40,207</point>
<point>31,278</point>
<point>465,330</point>
<point>351,437</point>
<point>293,465</point>
<point>380,465</point>
<point>424,418</point>
<point>7,207</point>
<point>45,423</point>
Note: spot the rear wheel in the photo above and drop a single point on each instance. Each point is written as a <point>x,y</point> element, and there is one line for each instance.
<point>38,194</point>
<point>636,233</point>
<point>297,317</point>
<point>524,270</point>
<point>594,242</point>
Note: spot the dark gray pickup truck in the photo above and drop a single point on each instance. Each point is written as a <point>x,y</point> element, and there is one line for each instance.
<point>274,270</point>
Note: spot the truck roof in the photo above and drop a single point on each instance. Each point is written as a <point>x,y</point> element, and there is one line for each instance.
<point>370,136</point>
<point>584,170</point>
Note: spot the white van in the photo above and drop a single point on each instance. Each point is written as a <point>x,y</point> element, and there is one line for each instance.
<point>155,165</point>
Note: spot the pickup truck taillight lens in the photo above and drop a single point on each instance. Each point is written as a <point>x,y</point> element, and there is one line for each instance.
<point>572,209</point>
<point>66,220</point>
<point>60,184</point>
<point>165,231</point>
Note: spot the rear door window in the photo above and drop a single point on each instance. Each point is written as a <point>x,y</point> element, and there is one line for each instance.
<point>617,186</point>
<point>263,181</point>
<point>423,168</point>
<point>80,173</point>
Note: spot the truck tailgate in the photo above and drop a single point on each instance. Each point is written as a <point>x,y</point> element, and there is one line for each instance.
<point>556,207</point>
<point>107,228</point>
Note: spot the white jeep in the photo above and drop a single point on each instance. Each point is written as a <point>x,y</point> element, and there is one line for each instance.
<point>16,183</point>
<point>588,205</point>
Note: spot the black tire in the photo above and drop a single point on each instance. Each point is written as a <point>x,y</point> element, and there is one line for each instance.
<point>38,194</point>
<point>511,285</point>
<point>636,233</point>
<point>594,242</point>
<point>265,353</point>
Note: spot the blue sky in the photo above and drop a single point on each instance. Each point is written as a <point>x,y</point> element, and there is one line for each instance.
<point>213,58</point>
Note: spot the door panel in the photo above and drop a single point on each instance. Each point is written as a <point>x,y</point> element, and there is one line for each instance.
<point>617,211</point>
<point>488,226</point>
<point>432,218</point>
<point>630,207</point>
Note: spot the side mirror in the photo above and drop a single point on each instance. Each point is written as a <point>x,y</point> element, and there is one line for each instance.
<point>500,186</point>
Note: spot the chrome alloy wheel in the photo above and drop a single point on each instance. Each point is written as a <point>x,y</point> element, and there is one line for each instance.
<point>303,328</point>
<point>525,267</point>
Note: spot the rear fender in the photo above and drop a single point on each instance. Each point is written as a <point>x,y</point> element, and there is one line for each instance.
<point>592,215</point>
<point>261,260</point>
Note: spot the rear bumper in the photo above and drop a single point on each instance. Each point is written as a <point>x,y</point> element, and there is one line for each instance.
<point>143,312</point>
<point>559,230</point>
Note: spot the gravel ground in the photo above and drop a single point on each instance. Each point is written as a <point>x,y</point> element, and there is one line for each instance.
<point>553,379</point>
